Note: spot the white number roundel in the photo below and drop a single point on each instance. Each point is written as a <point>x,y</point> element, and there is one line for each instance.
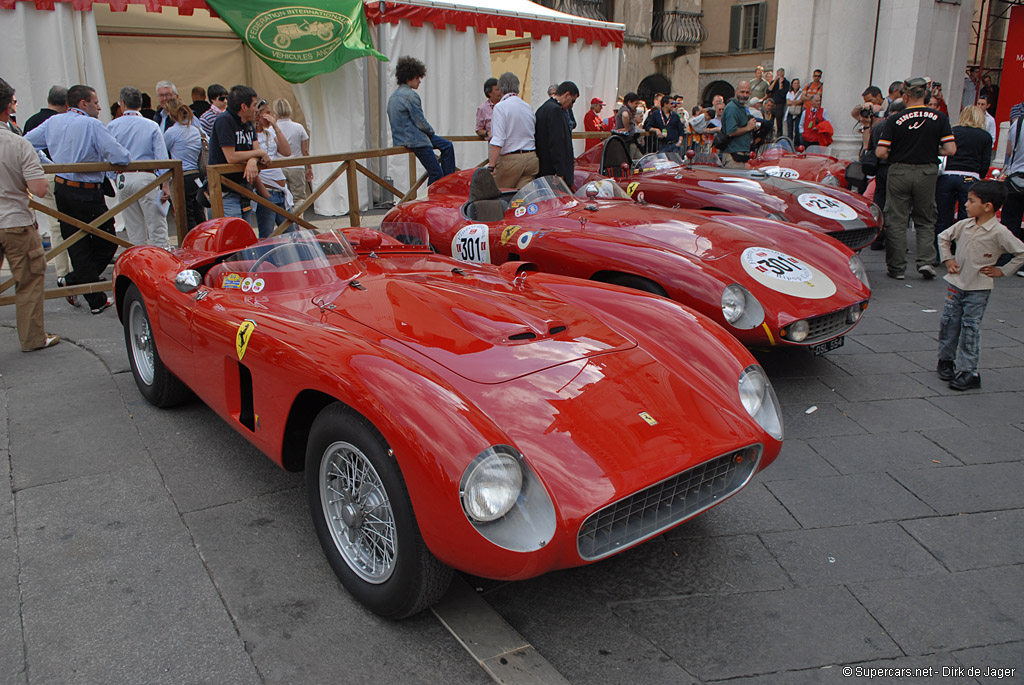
<point>780,171</point>
<point>826,206</point>
<point>785,274</point>
<point>470,244</point>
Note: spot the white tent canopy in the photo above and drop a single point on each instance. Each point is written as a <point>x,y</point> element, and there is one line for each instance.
<point>346,110</point>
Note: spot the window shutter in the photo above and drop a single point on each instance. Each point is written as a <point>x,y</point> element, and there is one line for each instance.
<point>762,24</point>
<point>735,28</point>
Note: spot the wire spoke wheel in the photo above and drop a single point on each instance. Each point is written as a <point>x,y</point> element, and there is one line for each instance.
<point>141,342</point>
<point>358,512</point>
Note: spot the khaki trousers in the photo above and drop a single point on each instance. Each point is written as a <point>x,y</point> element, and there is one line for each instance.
<point>143,220</point>
<point>297,184</point>
<point>910,194</point>
<point>23,248</point>
<point>516,169</point>
<point>48,224</point>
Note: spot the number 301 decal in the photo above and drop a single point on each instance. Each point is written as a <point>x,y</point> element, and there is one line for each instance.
<point>470,244</point>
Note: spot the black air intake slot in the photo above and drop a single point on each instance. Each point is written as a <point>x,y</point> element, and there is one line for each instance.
<point>528,335</point>
<point>555,330</point>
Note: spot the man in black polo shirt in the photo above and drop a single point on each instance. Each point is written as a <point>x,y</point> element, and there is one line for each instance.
<point>912,141</point>
<point>234,142</point>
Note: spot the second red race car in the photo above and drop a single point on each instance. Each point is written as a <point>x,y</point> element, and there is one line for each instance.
<point>767,283</point>
<point>665,179</point>
<point>814,163</point>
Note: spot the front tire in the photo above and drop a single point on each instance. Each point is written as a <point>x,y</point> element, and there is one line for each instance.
<point>159,386</point>
<point>364,519</point>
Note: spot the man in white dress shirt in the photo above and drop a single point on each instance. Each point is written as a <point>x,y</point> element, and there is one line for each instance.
<point>512,151</point>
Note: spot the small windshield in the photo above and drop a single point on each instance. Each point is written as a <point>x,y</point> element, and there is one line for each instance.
<point>660,160</point>
<point>708,159</point>
<point>540,189</point>
<point>407,233</point>
<point>780,147</point>
<point>298,250</point>
<point>818,150</point>
<point>605,188</point>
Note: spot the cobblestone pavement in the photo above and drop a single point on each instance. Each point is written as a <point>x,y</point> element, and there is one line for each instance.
<point>140,545</point>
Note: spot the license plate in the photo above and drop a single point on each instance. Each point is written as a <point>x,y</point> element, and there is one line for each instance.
<point>833,344</point>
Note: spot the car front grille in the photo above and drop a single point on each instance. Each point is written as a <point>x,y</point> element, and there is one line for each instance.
<point>855,238</point>
<point>663,505</point>
<point>826,325</point>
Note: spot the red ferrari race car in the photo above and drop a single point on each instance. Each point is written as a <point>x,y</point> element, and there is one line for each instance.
<point>498,421</point>
<point>766,282</point>
<point>665,179</point>
<point>815,163</point>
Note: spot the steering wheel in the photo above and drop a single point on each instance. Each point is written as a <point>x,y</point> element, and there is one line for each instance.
<point>298,247</point>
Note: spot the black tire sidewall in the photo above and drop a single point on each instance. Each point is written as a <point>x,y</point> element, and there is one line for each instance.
<point>394,597</point>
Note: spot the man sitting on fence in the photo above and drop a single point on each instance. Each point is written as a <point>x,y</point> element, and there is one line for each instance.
<point>409,127</point>
<point>74,137</point>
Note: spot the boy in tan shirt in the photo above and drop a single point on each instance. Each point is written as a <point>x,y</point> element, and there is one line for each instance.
<point>980,241</point>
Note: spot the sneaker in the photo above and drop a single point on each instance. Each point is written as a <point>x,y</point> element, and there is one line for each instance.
<point>893,274</point>
<point>965,381</point>
<point>927,271</point>
<point>946,369</point>
<point>72,299</point>
<point>51,340</point>
<point>1021,273</point>
<point>103,307</point>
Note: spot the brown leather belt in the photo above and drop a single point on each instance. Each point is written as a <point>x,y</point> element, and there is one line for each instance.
<point>75,184</point>
<point>518,152</point>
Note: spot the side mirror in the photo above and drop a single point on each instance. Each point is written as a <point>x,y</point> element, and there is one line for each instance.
<point>800,149</point>
<point>690,154</point>
<point>592,190</point>
<point>188,280</point>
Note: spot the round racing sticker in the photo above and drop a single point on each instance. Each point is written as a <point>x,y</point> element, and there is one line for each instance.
<point>520,211</point>
<point>258,285</point>
<point>532,209</point>
<point>780,171</point>
<point>523,241</point>
<point>828,207</point>
<point>247,284</point>
<point>786,274</point>
<point>470,244</point>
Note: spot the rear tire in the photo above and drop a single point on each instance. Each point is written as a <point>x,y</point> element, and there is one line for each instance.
<point>160,387</point>
<point>637,283</point>
<point>364,519</point>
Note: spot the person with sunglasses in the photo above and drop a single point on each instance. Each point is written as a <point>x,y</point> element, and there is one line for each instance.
<point>218,104</point>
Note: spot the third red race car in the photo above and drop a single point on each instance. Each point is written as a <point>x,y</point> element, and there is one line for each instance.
<point>665,179</point>
<point>766,282</point>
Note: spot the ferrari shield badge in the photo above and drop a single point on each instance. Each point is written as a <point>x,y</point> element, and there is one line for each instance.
<point>242,337</point>
<point>631,188</point>
<point>507,233</point>
<point>651,421</point>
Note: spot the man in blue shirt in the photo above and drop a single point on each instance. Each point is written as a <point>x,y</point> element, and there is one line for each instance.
<point>145,222</point>
<point>73,137</point>
<point>738,125</point>
<point>408,125</point>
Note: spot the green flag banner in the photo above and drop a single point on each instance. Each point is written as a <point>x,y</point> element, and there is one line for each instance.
<point>300,41</point>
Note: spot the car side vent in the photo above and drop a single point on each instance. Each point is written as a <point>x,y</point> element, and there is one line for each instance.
<point>555,330</point>
<point>528,335</point>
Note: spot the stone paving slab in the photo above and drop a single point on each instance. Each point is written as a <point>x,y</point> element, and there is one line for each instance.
<point>972,541</point>
<point>891,416</point>
<point>849,554</point>
<point>966,489</point>
<point>944,613</point>
<point>870,363</point>
<point>797,460</point>
<point>826,419</point>
<point>982,410</point>
<point>880,452</point>
<point>997,663</point>
<point>933,667</point>
<point>982,445</point>
<point>848,500</point>
<point>761,632</point>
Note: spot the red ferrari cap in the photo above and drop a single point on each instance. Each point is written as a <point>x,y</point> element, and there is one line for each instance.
<point>597,101</point>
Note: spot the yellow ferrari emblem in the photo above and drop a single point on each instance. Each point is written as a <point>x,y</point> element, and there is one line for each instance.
<point>648,418</point>
<point>507,233</point>
<point>242,339</point>
<point>631,188</point>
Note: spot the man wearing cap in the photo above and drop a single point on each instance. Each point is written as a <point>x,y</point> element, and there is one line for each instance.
<point>592,121</point>
<point>912,141</point>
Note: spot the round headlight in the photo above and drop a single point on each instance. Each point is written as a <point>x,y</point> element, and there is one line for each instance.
<point>859,270</point>
<point>798,330</point>
<point>853,314</point>
<point>491,485</point>
<point>734,303</point>
<point>758,398</point>
<point>830,180</point>
<point>876,213</point>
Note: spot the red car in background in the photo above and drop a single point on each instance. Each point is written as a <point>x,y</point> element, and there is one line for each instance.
<point>665,179</point>
<point>498,421</point>
<point>815,164</point>
<point>766,282</point>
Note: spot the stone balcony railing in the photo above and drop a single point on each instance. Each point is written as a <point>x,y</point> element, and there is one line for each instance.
<point>680,28</point>
<point>588,9</point>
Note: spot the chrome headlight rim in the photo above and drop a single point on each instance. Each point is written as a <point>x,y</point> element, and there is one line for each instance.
<point>745,316</point>
<point>485,498</point>
<point>860,271</point>
<point>877,214</point>
<point>758,398</point>
<point>734,303</point>
<point>796,332</point>
<point>831,180</point>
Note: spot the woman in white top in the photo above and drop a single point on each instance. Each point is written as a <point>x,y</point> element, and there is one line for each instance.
<point>794,108</point>
<point>298,177</point>
<point>185,141</point>
<point>271,183</point>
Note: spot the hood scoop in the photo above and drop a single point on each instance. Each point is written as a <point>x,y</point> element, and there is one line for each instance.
<point>483,329</point>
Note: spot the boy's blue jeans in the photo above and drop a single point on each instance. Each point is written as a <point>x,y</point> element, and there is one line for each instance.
<point>960,327</point>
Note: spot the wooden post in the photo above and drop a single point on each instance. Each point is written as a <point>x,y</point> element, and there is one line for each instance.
<point>180,213</point>
<point>353,193</point>
<point>216,192</point>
